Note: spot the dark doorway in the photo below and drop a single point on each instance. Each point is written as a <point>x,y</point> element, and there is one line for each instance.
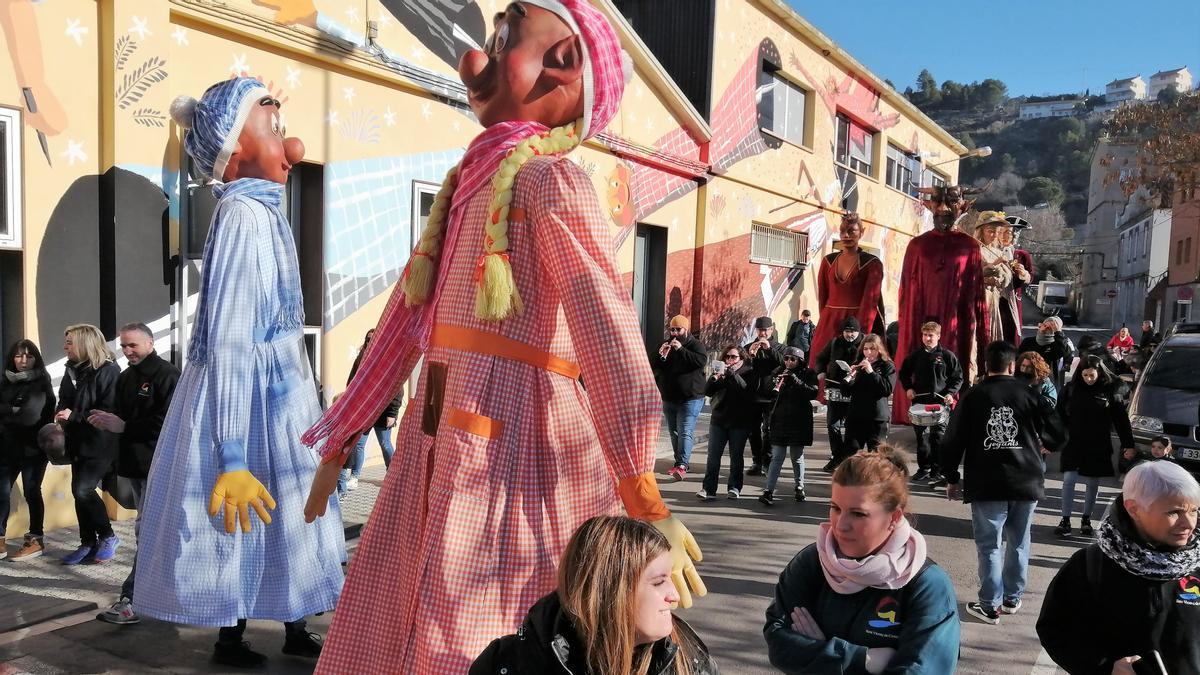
<point>12,326</point>
<point>650,282</point>
<point>306,212</point>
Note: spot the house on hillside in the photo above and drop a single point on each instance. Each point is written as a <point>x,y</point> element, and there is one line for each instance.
<point>1031,110</point>
<point>1128,89</point>
<point>1179,79</point>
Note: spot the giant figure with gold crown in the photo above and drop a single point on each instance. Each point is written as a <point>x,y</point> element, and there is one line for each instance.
<point>511,296</point>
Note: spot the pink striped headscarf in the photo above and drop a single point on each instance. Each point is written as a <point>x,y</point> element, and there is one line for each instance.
<point>404,331</point>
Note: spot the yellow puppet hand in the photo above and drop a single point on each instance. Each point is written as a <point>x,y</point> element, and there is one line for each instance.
<point>239,490</point>
<point>642,500</point>
<point>684,551</point>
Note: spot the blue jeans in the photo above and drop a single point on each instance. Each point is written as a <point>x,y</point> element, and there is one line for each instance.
<point>358,455</point>
<point>718,437</point>
<point>681,422</point>
<point>1068,494</point>
<point>992,521</point>
<point>777,453</point>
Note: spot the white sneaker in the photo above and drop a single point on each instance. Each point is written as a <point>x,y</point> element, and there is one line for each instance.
<point>352,484</point>
<point>734,493</point>
<point>704,496</point>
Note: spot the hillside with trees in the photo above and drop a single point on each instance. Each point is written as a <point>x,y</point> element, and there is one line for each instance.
<point>1033,162</point>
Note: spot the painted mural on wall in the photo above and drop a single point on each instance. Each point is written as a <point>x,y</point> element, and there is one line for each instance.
<point>43,110</point>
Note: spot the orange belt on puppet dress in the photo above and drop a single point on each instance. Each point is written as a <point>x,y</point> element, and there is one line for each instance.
<point>491,344</point>
<point>639,493</point>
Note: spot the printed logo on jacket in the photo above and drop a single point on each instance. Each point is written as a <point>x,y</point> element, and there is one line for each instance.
<point>886,618</point>
<point>1189,593</point>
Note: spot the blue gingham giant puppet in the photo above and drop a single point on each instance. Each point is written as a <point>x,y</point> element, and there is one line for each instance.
<point>231,439</point>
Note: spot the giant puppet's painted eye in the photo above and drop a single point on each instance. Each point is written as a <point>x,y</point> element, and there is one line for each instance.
<point>501,37</point>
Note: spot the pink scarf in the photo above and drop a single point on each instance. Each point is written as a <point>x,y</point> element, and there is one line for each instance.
<point>893,566</point>
<point>402,331</point>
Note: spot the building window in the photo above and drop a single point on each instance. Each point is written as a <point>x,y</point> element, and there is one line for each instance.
<point>776,246</point>
<point>782,109</point>
<point>900,169</point>
<point>422,204</point>
<point>855,145</point>
<point>1179,252</point>
<point>10,178</point>
<point>936,179</point>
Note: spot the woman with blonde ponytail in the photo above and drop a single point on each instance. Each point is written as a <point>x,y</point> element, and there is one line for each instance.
<point>511,296</point>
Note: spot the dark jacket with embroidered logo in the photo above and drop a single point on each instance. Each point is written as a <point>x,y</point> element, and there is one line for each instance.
<point>995,432</point>
<point>924,630</point>
<point>935,371</point>
<point>1096,612</point>
<point>143,398</point>
<point>547,644</point>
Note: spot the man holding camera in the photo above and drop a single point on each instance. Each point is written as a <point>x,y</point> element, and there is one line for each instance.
<point>844,349</point>
<point>679,373</point>
<point>766,354</point>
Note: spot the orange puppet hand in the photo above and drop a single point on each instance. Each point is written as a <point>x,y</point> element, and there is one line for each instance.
<point>237,491</point>
<point>642,500</point>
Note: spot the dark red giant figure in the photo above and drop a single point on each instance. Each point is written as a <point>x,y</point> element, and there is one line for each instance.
<point>942,281</point>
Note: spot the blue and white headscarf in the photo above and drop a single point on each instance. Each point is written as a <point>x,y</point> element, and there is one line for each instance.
<point>216,120</point>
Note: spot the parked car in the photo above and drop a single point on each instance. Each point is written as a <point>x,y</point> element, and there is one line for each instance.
<point>1167,399</point>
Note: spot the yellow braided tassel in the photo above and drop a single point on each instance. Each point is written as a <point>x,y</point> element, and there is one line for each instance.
<point>496,297</point>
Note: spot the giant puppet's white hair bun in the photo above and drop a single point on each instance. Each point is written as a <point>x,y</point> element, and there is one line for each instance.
<point>183,111</point>
<point>626,66</point>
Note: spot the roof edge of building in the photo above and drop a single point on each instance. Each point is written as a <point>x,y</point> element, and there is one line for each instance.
<point>840,56</point>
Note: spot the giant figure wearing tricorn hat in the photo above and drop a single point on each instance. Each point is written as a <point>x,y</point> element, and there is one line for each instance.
<point>942,281</point>
<point>511,295</point>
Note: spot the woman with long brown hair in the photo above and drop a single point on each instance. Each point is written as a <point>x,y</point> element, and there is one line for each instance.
<point>611,614</point>
<point>873,378</point>
<point>865,597</point>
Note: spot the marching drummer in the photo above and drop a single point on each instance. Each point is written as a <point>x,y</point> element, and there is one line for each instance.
<point>931,375</point>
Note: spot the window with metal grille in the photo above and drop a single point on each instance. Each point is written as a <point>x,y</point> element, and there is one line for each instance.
<point>855,145</point>
<point>10,178</point>
<point>901,166</point>
<point>776,246</point>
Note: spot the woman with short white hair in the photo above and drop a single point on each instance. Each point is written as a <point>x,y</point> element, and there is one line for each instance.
<point>1143,568</point>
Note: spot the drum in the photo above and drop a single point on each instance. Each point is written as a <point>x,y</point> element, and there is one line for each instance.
<point>928,414</point>
<point>836,395</point>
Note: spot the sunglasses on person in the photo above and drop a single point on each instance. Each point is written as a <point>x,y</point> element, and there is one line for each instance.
<point>732,356</point>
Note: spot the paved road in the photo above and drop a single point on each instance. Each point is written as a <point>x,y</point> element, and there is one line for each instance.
<point>745,546</point>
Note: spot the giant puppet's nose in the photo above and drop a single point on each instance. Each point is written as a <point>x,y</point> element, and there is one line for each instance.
<point>472,69</point>
<point>293,150</point>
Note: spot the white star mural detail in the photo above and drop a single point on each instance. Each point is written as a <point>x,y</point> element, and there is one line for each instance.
<point>389,117</point>
<point>74,152</point>
<point>141,27</point>
<point>427,110</point>
<point>348,93</point>
<point>293,77</point>
<point>332,118</point>
<point>239,65</point>
<point>180,36</point>
<point>352,14</point>
<point>75,31</point>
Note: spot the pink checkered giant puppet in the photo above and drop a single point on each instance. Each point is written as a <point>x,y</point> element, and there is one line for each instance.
<point>511,295</point>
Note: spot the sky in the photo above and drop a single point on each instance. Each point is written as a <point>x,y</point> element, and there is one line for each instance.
<point>1036,47</point>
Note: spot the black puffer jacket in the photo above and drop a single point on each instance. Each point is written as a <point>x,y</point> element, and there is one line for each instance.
<point>680,376</point>
<point>1096,612</point>
<point>84,389</point>
<point>26,405</point>
<point>1092,413</point>
<point>546,644</point>
<point>791,412</point>
<point>870,391</point>
<point>735,399</point>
